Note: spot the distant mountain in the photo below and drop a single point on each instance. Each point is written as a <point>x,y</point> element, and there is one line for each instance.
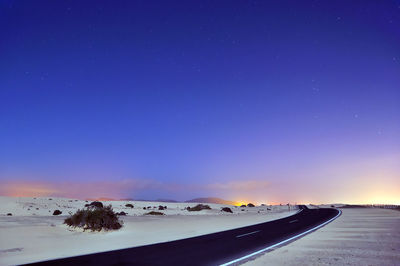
<point>211,200</point>
<point>156,200</point>
<point>166,200</point>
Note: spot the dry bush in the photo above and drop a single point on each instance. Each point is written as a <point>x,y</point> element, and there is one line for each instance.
<point>129,205</point>
<point>154,213</point>
<point>95,219</point>
<point>199,207</point>
<point>250,205</point>
<point>96,204</point>
<point>226,209</point>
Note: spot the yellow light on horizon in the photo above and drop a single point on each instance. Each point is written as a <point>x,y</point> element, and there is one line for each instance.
<point>240,203</point>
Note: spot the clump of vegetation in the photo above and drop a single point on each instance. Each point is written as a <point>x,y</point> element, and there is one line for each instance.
<point>96,204</point>
<point>250,205</point>
<point>129,205</point>
<point>9,214</point>
<point>154,213</point>
<point>199,207</point>
<point>121,213</point>
<point>161,208</point>
<point>95,219</point>
<point>244,205</point>
<point>57,212</point>
<point>226,209</point>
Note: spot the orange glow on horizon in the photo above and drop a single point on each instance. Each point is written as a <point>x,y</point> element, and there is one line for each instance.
<point>367,193</point>
<point>27,189</point>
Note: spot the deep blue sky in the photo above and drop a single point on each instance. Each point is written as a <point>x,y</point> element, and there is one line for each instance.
<point>202,93</point>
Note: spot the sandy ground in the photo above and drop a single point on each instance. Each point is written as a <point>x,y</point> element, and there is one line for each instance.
<point>358,237</point>
<point>32,233</point>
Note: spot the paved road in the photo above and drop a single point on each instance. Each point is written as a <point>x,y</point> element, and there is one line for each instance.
<point>211,249</point>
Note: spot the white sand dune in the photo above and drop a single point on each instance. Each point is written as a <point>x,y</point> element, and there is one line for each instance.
<point>32,233</point>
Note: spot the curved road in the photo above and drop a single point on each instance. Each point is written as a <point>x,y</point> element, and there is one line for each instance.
<point>227,247</point>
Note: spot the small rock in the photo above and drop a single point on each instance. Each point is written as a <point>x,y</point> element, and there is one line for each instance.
<point>57,212</point>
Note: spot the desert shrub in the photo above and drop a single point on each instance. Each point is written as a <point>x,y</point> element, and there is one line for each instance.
<point>96,204</point>
<point>95,219</point>
<point>121,213</point>
<point>199,207</point>
<point>57,212</point>
<point>243,205</point>
<point>250,205</point>
<point>9,214</point>
<point>226,209</point>
<point>129,205</point>
<point>161,208</point>
<point>154,213</point>
<point>144,208</point>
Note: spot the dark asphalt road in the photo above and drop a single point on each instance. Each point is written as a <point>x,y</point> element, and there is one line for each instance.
<point>211,249</point>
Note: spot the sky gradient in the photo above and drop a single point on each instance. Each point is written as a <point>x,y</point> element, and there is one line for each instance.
<point>268,101</point>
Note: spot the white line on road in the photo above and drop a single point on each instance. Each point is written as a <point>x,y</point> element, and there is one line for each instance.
<point>282,242</point>
<point>293,221</point>
<point>248,233</point>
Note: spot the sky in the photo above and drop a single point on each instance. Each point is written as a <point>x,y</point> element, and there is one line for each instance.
<point>262,101</point>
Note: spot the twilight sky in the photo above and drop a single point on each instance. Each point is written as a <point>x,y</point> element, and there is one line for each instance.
<point>264,101</point>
